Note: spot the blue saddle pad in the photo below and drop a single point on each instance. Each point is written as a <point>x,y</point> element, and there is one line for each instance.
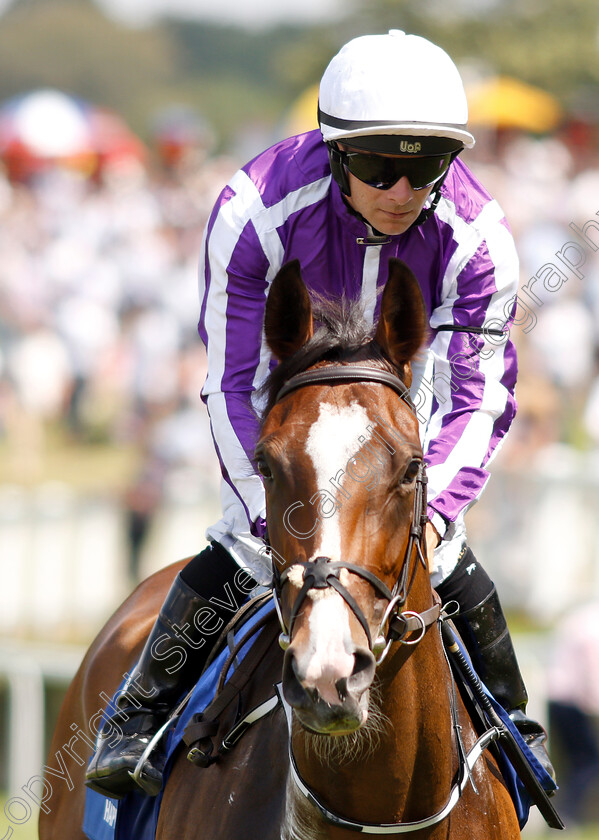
<point>133,817</point>
<point>136,816</point>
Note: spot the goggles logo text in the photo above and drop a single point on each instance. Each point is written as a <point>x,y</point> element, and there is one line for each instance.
<point>410,148</point>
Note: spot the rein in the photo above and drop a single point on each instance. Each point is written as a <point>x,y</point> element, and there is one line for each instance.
<point>467,764</point>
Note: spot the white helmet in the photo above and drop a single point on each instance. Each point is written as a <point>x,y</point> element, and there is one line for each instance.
<point>389,85</point>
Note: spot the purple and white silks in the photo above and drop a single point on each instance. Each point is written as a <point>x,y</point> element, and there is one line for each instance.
<point>284,205</point>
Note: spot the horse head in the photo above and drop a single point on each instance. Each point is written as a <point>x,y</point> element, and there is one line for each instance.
<point>341,460</point>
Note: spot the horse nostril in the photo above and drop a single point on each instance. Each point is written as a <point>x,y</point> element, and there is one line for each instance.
<point>313,694</point>
<point>341,686</point>
<point>363,672</point>
<point>296,693</point>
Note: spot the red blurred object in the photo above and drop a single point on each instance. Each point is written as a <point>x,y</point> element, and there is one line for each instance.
<point>179,132</point>
<point>48,128</point>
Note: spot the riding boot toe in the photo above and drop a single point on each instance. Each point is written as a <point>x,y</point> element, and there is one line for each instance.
<point>117,756</point>
<point>535,738</point>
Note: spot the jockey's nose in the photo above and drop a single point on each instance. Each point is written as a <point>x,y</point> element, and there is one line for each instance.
<point>401,191</point>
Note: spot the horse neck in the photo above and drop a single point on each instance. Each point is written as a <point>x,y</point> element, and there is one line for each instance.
<point>383,776</point>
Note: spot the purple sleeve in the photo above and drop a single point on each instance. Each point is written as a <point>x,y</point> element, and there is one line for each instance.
<point>233,285</point>
<point>473,375</point>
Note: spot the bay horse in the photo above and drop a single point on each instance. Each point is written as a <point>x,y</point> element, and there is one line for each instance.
<point>371,735</point>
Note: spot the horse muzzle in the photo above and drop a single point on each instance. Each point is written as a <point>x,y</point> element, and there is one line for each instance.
<point>330,700</point>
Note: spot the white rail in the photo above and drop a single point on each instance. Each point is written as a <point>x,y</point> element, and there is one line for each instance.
<point>26,669</point>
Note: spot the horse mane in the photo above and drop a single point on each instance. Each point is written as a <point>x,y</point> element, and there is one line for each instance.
<point>341,334</point>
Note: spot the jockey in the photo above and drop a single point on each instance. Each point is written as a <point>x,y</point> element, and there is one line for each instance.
<point>382,178</point>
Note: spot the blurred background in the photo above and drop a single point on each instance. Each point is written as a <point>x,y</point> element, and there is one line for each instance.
<point>120,121</point>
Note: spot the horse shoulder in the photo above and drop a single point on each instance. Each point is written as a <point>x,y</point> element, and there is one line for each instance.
<point>242,794</point>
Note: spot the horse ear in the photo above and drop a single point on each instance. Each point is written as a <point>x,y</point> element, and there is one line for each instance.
<point>288,322</point>
<point>403,325</point>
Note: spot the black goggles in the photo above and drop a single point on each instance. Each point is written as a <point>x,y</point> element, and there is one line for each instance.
<point>384,172</point>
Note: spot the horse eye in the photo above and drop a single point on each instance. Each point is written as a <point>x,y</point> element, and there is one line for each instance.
<point>263,468</point>
<point>411,471</point>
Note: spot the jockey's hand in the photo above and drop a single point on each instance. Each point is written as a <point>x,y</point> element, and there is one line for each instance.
<point>432,540</point>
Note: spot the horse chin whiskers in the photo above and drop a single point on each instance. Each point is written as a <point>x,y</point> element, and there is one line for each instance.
<point>335,750</point>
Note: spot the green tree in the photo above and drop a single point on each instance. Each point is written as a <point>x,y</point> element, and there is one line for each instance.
<point>549,43</point>
<point>71,45</point>
<point>236,77</point>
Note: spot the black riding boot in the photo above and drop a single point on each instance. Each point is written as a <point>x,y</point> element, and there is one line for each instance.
<point>483,628</point>
<point>171,661</point>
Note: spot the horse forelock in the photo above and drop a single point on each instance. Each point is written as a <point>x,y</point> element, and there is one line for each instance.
<point>342,334</point>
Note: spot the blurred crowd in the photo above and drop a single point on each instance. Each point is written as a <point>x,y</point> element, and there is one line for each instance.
<point>99,305</point>
<point>99,309</point>
<point>98,296</point>
<point>98,317</point>
<point>548,188</point>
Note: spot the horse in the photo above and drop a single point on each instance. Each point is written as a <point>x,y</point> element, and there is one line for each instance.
<point>370,734</point>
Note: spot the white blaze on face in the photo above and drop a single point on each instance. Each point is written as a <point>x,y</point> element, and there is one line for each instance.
<point>331,647</point>
<point>332,441</point>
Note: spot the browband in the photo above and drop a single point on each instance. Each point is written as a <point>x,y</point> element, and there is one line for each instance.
<point>346,373</point>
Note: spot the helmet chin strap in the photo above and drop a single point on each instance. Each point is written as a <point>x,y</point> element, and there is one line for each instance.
<point>427,212</point>
<point>359,216</point>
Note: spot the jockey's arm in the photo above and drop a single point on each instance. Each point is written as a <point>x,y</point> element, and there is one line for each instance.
<point>472,376</point>
<point>233,287</point>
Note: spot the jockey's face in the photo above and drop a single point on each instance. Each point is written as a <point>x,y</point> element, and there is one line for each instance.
<point>390,211</point>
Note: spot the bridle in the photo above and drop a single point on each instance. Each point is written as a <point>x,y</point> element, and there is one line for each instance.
<point>322,573</point>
